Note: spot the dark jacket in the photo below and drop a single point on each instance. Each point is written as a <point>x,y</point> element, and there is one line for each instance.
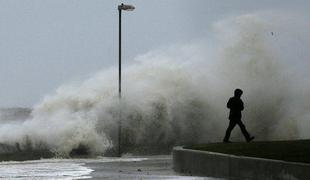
<point>235,105</point>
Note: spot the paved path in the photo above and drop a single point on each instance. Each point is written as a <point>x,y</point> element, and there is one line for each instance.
<point>151,167</point>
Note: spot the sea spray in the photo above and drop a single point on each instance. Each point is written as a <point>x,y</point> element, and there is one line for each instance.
<point>178,94</point>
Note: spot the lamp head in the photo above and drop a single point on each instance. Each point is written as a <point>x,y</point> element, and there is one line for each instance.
<point>126,7</point>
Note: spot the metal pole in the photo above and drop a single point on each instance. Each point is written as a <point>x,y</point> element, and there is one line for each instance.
<point>120,55</point>
<point>120,80</point>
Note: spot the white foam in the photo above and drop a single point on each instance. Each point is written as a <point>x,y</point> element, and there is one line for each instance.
<point>44,169</point>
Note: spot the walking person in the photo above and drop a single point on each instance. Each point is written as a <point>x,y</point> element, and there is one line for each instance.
<point>235,105</point>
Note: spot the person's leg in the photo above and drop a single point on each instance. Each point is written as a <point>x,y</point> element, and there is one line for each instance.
<point>244,131</point>
<point>231,126</point>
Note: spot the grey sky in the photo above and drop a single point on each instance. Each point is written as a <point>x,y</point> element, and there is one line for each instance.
<point>45,44</point>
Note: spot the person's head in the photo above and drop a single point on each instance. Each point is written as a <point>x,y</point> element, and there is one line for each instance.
<point>238,93</point>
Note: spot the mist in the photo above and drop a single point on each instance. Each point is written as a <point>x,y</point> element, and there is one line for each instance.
<point>177,94</point>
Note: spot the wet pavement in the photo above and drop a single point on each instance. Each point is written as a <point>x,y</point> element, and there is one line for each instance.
<point>150,167</point>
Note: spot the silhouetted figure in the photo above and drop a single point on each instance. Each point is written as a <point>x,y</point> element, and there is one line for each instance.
<point>235,105</point>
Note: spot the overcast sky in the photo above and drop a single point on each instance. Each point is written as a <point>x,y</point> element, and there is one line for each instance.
<point>44,44</point>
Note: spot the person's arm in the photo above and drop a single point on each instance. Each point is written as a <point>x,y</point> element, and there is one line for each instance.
<point>229,104</point>
<point>241,105</point>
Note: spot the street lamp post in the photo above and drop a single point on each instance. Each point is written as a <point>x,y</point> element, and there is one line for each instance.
<point>120,8</point>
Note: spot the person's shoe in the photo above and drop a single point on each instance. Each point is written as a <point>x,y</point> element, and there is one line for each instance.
<point>250,139</point>
<point>227,142</point>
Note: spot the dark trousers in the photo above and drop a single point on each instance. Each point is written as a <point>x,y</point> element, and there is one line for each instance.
<point>232,124</point>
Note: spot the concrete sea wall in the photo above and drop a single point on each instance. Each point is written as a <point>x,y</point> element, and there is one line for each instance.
<point>204,163</point>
